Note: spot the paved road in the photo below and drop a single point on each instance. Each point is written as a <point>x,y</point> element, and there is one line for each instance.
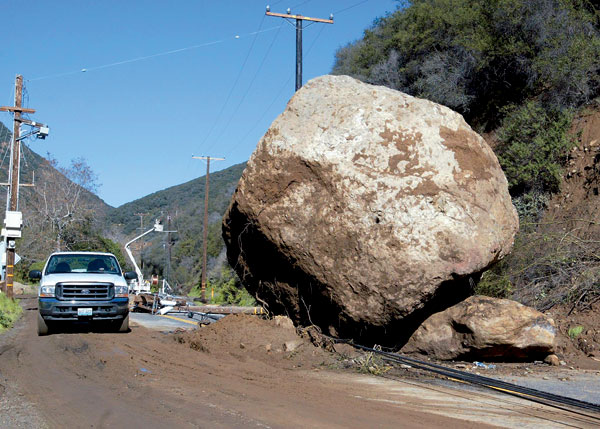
<point>582,385</point>
<point>168,322</point>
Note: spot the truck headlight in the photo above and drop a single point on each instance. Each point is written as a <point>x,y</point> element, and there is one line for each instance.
<point>121,291</point>
<point>47,292</point>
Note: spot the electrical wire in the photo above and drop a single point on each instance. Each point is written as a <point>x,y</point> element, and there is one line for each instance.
<point>7,133</point>
<point>301,4</point>
<point>285,84</point>
<point>207,135</point>
<point>146,57</point>
<point>23,146</point>
<point>350,7</point>
<point>226,128</point>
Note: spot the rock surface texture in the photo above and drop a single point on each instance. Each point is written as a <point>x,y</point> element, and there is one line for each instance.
<point>363,210</point>
<point>485,328</point>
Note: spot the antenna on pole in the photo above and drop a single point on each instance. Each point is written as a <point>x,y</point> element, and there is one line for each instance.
<point>299,19</point>
<point>205,228</point>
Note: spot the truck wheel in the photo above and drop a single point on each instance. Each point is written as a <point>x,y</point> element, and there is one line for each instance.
<point>42,326</point>
<point>124,326</point>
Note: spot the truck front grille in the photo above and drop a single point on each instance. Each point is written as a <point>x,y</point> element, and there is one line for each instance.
<point>84,291</point>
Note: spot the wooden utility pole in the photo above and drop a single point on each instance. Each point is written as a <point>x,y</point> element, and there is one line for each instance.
<point>141,228</point>
<point>168,245</point>
<point>299,19</point>
<point>13,228</point>
<point>205,229</point>
<point>13,179</point>
<point>141,215</point>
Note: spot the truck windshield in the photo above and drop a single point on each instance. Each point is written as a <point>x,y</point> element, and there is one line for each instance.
<point>83,263</point>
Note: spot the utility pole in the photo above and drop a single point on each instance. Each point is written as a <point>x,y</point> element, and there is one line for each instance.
<point>205,229</point>
<point>13,179</point>
<point>141,215</point>
<point>168,246</point>
<point>13,220</point>
<point>141,228</point>
<point>299,19</point>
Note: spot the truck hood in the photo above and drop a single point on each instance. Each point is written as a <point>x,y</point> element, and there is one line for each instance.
<point>52,279</point>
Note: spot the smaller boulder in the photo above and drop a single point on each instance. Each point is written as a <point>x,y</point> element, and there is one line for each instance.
<point>485,328</point>
<point>552,360</point>
<point>290,346</point>
<point>284,322</point>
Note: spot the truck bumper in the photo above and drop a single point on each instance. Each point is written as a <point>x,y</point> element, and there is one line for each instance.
<point>54,309</point>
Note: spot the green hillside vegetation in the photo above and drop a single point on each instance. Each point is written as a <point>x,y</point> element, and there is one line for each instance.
<point>518,70</point>
<point>10,311</point>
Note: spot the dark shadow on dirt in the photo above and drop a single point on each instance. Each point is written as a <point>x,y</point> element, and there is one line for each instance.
<point>80,327</point>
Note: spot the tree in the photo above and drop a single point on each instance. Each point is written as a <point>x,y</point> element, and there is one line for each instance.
<point>61,205</point>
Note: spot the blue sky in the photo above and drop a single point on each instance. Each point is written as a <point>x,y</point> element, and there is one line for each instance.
<point>138,123</point>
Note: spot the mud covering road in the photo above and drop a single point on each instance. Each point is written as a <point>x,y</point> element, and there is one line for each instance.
<point>150,379</point>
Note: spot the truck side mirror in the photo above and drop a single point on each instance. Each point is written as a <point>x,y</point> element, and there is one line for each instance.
<point>130,275</point>
<point>35,274</point>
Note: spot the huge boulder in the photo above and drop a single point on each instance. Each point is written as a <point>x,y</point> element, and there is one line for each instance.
<point>485,328</point>
<point>363,210</point>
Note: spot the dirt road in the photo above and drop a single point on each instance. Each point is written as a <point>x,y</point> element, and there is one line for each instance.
<point>148,379</point>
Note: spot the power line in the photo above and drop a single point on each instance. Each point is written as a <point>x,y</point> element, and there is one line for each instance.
<point>234,84</point>
<point>277,95</point>
<point>350,7</point>
<point>248,89</point>
<point>146,57</point>
<point>301,4</point>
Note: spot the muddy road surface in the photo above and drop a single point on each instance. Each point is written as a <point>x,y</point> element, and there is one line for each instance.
<point>151,379</point>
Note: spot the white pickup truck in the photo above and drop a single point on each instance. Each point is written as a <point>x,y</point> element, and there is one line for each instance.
<point>82,287</point>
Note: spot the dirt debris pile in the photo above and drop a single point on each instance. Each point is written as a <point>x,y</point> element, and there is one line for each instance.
<point>364,210</point>
<point>250,337</point>
<point>578,341</point>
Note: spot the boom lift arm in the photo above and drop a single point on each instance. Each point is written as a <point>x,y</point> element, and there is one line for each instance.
<point>140,281</point>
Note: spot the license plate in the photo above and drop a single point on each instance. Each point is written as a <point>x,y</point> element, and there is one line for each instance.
<point>84,311</point>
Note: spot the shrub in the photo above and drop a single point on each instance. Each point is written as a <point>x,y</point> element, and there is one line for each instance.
<point>530,207</point>
<point>495,283</point>
<point>22,270</point>
<point>534,144</point>
<point>575,331</point>
<point>225,289</point>
<point>10,311</point>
